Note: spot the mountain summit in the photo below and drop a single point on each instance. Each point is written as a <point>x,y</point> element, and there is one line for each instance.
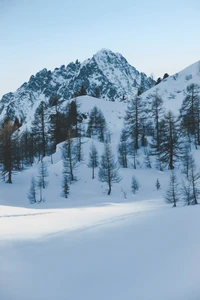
<point>106,75</point>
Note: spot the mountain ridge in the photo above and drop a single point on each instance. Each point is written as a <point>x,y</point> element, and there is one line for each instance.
<point>107,75</point>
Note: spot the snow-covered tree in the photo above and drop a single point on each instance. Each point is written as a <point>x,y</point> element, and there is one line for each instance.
<point>147,159</point>
<point>133,120</point>
<point>93,159</point>
<point>32,191</point>
<point>173,192</point>
<point>96,124</point>
<point>42,174</point>
<point>186,194</point>
<point>40,131</point>
<point>190,112</point>
<point>170,145</point>
<point>158,184</point>
<point>123,150</point>
<point>134,185</point>
<point>194,178</point>
<point>186,160</point>
<point>156,112</point>
<point>108,168</point>
<point>65,183</point>
<point>79,143</point>
<point>69,157</point>
<point>7,149</point>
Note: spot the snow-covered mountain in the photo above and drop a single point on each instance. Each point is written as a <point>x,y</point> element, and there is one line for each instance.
<point>107,75</point>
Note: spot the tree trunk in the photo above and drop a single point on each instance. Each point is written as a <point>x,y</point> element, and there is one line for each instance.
<point>109,189</point>
<point>92,172</point>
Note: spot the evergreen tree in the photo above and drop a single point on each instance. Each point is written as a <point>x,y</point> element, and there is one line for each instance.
<point>7,148</point>
<point>32,191</point>
<point>79,144</point>
<point>27,147</point>
<point>190,112</point>
<point>65,186</point>
<point>42,174</point>
<point>17,151</point>
<point>93,159</point>
<point>173,193</point>
<point>193,178</point>
<point>170,146</point>
<point>147,159</point>
<point>133,123</point>
<point>69,157</point>
<point>158,184</point>
<point>83,91</point>
<point>186,194</point>
<point>123,150</point>
<point>156,112</point>
<point>134,185</point>
<point>55,124</point>
<point>39,131</point>
<point>75,117</point>
<point>108,169</point>
<point>96,124</point>
<point>186,159</point>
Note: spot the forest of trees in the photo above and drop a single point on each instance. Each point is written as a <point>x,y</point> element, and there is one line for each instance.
<point>166,139</point>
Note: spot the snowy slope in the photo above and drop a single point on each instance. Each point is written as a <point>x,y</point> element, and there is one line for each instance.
<point>108,252</point>
<point>172,88</point>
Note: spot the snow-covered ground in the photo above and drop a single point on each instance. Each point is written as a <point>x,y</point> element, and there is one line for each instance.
<point>140,250</point>
<point>97,247</point>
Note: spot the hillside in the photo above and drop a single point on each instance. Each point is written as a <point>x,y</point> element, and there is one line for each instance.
<point>172,88</point>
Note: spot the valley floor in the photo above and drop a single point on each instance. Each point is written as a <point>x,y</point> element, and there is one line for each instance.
<point>142,250</point>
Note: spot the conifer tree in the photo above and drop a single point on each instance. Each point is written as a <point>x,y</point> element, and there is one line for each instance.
<point>190,112</point>
<point>108,169</point>
<point>69,157</point>
<point>147,159</point>
<point>156,112</point>
<point>79,143</point>
<point>7,148</point>
<point>186,160</point>
<point>93,159</point>
<point>123,150</point>
<point>55,125</point>
<point>65,182</point>
<point>134,185</point>
<point>42,174</point>
<point>133,121</point>
<point>158,184</point>
<point>96,124</point>
<point>173,193</point>
<point>39,131</point>
<point>170,146</point>
<point>27,147</point>
<point>194,178</point>
<point>186,194</point>
<point>32,191</point>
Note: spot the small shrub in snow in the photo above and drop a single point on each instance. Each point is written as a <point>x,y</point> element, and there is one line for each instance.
<point>158,184</point>
<point>188,77</point>
<point>135,185</point>
<point>32,191</point>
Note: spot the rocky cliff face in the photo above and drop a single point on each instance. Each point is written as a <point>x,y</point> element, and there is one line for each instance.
<point>106,75</point>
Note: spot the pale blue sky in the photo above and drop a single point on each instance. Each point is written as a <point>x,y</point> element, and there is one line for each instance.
<point>155,36</point>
